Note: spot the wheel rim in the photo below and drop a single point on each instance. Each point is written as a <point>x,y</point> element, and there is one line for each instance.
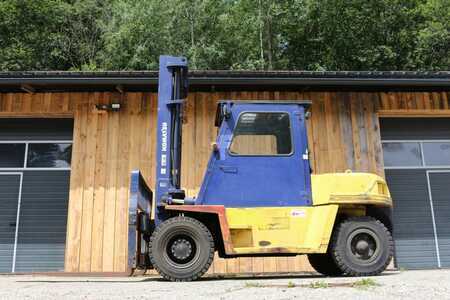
<point>180,249</point>
<point>364,246</point>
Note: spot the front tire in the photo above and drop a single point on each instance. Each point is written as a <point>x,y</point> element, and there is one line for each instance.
<point>181,249</point>
<point>362,246</point>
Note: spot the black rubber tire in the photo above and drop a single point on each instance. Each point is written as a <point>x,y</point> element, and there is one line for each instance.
<point>200,236</point>
<point>324,264</point>
<point>341,250</point>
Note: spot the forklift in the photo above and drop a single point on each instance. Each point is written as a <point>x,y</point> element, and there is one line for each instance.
<point>258,197</point>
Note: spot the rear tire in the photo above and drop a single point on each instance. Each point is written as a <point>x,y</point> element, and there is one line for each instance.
<point>181,249</point>
<point>362,246</point>
<point>324,264</point>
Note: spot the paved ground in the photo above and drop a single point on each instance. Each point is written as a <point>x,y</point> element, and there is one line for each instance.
<point>391,285</point>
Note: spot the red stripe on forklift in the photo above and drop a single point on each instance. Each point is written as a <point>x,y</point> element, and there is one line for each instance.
<point>219,210</point>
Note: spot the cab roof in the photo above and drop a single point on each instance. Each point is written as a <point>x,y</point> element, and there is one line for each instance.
<point>305,103</point>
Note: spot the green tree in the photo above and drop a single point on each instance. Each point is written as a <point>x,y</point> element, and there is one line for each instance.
<point>135,39</point>
<point>27,34</point>
<point>213,34</point>
<point>225,34</point>
<point>353,35</point>
<point>80,39</point>
<point>257,41</point>
<point>50,34</point>
<point>433,46</point>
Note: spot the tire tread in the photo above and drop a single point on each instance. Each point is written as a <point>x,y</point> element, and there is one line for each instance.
<point>205,231</point>
<point>337,257</point>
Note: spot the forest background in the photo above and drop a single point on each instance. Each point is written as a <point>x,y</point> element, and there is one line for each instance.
<point>317,35</point>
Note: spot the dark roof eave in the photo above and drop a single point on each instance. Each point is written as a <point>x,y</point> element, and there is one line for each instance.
<point>322,81</point>
<point>241,81</point>
<point>147,80</point>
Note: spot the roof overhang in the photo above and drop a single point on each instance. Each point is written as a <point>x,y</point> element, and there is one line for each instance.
<point>224,80</point>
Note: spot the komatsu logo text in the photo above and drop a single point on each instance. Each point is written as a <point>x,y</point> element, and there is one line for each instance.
<point>163,148</point>
<point>164,137</point>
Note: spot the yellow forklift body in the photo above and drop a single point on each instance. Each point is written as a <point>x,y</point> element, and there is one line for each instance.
<point>305,229</point>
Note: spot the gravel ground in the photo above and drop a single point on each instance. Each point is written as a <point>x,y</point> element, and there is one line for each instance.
<point>433,284</point>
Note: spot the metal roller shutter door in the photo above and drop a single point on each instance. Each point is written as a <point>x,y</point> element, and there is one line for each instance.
<point>43,220</point>
<point>41,230</point>
<point>413,223</point>
<point>421,195</point>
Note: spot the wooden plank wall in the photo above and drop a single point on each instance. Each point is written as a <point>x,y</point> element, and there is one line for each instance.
<point>107,146</point>
<point>420,104</point>
<point>343,132</point>
<point>18,105</point>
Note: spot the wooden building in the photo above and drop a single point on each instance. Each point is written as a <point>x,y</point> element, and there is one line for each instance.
<point>65,165</point>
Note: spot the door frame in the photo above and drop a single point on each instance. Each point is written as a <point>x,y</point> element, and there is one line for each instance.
<point>19,200</point>
<point>430,196</point>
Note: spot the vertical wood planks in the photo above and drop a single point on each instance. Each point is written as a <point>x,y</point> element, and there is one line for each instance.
<point>109,213</point>
<point>75,207</point>
<point>344,107</point>
<point>88,191</point>
<point>122,163</point>
<point>99,186</point>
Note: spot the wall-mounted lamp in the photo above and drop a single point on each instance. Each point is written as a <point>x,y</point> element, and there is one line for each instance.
<point>307,115</point>
<point>108,107</point>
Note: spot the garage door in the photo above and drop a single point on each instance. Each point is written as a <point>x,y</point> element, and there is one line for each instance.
<point>417,166</point>
<point>35,159</point>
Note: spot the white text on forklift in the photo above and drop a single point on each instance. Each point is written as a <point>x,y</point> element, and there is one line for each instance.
<point>163,147</point>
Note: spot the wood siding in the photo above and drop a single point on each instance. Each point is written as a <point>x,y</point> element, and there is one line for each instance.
<point>343,132</point>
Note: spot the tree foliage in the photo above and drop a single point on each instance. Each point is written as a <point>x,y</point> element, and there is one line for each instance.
<point>225,34</point>
<point>433,37</point>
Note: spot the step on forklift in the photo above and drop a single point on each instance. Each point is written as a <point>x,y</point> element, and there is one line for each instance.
<point>258,197</point>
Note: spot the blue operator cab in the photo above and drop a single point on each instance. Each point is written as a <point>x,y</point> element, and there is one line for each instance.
<point>260,158</point>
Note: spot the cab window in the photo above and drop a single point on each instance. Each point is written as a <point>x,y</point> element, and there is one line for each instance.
<point>262,133</point>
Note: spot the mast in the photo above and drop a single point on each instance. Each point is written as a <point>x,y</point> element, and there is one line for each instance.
<point>172,90</point>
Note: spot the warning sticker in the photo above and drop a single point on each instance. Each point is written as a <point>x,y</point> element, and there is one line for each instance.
<point>298,213</point>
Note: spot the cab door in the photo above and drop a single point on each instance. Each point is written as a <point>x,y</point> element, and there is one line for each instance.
<point>264,164</point>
